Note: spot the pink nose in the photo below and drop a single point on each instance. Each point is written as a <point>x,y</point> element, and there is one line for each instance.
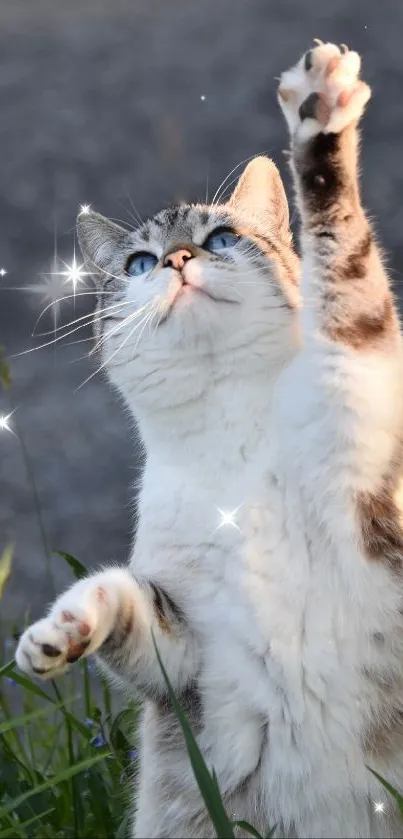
<point>177,259</point>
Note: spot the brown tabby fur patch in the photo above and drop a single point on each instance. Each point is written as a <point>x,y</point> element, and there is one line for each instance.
<point>380,525</point>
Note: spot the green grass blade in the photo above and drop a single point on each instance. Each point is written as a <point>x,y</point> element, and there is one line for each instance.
<point>24,719</point>
<point>248,828</point>
<point>10,832</point>
<point>5,373</point>
<point>70,718</point>
<point>9,755</point>
<point>207,782</point>
<point>271,832</point>
<point>106,695</point>
<point>54,747</point>
<point>15,828</point>
<point>79,570</point>
<point>57,779</point>
<point>87,688</point>
<point>5,707</point>
<point>396,795</point>
<point>33,688</point>
<point>6,668</point>
<point>5,566</point>
<point>76,803</point>
<point>28,685</point>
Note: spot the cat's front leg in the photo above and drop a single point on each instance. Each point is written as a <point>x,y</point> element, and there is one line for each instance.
<point>352,356</point>
<point>114,615</point>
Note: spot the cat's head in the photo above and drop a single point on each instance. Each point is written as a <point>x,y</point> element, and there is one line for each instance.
<point>196,285</point>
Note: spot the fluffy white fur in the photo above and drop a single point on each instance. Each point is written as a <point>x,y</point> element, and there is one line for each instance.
<point>283,610</point>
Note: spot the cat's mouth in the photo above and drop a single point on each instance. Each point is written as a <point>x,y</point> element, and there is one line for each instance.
<point>188,289</point>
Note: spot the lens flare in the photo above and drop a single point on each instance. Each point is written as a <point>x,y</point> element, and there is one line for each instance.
<point>228,518</point>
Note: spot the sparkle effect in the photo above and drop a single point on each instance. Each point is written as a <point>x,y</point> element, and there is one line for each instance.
<point>5,422</point>
<point>3,272</point>
<point>54,285</point>
<point>203,98</point>
<point>51,290</point>
<point>228,518</point>
<point>379,807</point>
<point>73,273</point>
<point>85,209</point>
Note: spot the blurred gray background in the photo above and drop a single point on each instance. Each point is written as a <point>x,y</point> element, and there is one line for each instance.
<point>101,102</point>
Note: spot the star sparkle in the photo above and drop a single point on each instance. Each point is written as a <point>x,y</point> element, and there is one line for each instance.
<point>3,272</point>
<point>54,285</point>
<point>228,518</point>
<point>379,807</point>
<point>5,422</point>
<point>73,273</point>
<point>85,209</point>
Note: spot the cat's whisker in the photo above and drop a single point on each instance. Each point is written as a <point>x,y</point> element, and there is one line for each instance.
<point>130,224</point>
<point>92,319</point>
<point>147,321</point>
<point>106,336</point>
<point>132,316</point>
<point>57,339</point>
<point>55,303</point>
<point>124,322</point>
<point>76,320</point>
<point>119,348</point>
<point>136,216</point>
<point>225,190</point>
<point>207,186</point>
<point>79,341</point>
<point>217,196</point>
<point>98,269</point>
<point>161,315</point>
<point>46,343</point>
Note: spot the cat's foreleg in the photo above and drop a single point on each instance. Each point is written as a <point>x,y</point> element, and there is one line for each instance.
<point>113,614</point>
<point>344,285</point>
<point>351,362</point>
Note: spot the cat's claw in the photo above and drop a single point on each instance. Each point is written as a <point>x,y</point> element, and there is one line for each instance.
<point>323,92</point>
<point>76,626</point>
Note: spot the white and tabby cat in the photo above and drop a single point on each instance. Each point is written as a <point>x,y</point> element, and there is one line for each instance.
<point>282,634</point>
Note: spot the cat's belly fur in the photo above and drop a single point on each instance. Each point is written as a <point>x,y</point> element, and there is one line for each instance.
<point>286,641</point>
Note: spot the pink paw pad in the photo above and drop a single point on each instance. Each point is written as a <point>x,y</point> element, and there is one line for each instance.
<point>84,628</point>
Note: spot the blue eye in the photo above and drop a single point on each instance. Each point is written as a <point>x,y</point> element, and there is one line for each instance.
<point>221,239</point>
<point>140,263</point>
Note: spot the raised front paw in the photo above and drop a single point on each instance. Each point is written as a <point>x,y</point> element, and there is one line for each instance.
<point>323,92</point>
<point>77,625</point>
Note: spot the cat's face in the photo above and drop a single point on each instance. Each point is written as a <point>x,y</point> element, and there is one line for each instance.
<point>194,281</point>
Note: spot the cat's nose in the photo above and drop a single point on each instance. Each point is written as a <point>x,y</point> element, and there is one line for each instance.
<point>177,259</point>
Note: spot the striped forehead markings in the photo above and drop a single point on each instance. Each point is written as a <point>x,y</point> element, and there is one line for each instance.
<point>179,223</point>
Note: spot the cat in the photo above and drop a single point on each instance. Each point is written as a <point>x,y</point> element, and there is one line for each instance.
<point>268,558</point>
<point>195,360</point>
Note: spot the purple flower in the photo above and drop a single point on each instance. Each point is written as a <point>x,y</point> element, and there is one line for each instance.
<point>89,722</point>
<point>132,754</point>
<point>10,681</point>
<point>98,741</point>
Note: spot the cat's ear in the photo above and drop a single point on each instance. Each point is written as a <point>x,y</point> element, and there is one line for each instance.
<point>260,193</point>
<point>102,244</point>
